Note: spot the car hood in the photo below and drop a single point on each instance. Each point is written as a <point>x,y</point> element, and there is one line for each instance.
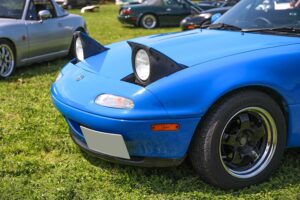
<point>189,48</point>
<point>194,47</point>
<point>216,10</point>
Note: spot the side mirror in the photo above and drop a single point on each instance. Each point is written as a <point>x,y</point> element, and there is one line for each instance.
<point>215,17</point>
<point>44,15</point>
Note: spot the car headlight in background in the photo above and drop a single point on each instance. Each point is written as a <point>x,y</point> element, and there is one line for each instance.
<point>85,46</point>
<point>142,65</point>
<point>205,15</point>
<point>112,101</point>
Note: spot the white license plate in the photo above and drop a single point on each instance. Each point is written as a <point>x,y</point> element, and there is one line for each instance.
<point>105,143</point>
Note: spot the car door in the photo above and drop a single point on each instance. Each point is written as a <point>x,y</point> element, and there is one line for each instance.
<point>47,36</point>
<point>175,11</point>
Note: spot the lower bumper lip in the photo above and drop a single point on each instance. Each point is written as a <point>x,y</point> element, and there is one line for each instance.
<point>133,161</point>
<point>127,19</point>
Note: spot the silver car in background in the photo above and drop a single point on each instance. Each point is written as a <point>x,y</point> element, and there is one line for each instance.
<point>34,31</point>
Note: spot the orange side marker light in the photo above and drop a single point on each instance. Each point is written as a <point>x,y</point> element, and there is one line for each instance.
<point>165,127</point>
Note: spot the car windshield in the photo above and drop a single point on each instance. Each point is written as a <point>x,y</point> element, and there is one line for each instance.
<point>263,15</point>
<point>11,8</point>
<point>154,2</point>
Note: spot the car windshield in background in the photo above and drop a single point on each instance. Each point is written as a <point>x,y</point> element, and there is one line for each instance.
<point>154,2</point>
<point>264,15</point>
<point>11,8</point>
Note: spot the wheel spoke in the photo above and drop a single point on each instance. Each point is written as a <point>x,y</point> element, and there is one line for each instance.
<point>3,68</point>
<point>258,134</point>
<point>251,152</point>
<point>244,121</point>
<point>237,158</point>
<point>254,155</point>
<point>6,59</point>
<point>2,52</point>
<point>229,139</point>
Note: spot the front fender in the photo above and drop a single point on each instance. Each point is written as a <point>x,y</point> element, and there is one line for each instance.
<point>17,34</point>
<point>191,92</point>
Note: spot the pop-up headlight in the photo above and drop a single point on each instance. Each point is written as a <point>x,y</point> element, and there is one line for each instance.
<point>85,46</point>
<point>149,65</point>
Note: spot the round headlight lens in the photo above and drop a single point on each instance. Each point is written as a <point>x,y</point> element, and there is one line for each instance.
<point>79,50</point>
<point>142,64</point>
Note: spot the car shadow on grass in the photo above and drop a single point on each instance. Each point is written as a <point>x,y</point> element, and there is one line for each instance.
<point>183,179</point>
<point>34,70</point>
<point>141,28</point>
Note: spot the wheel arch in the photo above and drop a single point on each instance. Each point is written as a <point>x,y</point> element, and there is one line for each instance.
<point>12,43</point>
<point>80,29</point>
<point>275,95</point>
<point>280,100</point>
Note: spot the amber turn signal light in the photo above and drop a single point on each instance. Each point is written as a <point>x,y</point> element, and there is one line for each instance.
<point>165,127</point>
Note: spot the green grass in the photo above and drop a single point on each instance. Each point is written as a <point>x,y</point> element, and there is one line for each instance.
<point>38,160</point>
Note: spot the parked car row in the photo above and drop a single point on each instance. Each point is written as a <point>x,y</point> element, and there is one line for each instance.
<point>34,31</point>
<point>69,4</point>
<point>201,19</point>
<point>153,13</point>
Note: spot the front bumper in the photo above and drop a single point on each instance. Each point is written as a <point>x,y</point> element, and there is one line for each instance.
<point>127,19</point>
<point>134,161</point>
<point>140,140</point>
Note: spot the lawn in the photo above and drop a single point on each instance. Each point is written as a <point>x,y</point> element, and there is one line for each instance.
<point>38,159</point>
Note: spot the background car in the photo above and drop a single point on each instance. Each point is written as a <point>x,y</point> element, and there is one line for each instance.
<point>153,13</point>
<point>126,2</point>
<point>69,4</point>
<point>201,19</point>
<point>34,31</point>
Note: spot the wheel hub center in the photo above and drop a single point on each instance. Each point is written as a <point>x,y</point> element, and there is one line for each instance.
<point>243,141</point>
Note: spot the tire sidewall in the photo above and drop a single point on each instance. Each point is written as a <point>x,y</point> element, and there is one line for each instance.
<point>219,120</point>
<point>144,18</point>
<point>3,41</point>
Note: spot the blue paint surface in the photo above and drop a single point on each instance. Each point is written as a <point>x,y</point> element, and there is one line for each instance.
<point>218,62</point>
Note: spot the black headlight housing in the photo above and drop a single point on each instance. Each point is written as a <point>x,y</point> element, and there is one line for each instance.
<point>160,65</point>
<point>90,47</point>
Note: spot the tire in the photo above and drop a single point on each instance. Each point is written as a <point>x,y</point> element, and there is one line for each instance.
<point>149,21</point>
<point>7,58</point>
<point>240,141</point>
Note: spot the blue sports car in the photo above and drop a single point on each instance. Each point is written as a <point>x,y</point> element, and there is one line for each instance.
<point>227,97</point>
